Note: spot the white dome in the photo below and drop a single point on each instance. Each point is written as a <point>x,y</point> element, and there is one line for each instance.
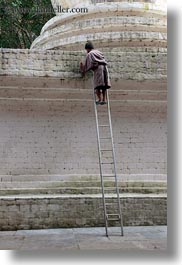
<point>117,23</point>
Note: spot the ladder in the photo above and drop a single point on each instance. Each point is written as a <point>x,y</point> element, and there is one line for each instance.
<point>111,204</point>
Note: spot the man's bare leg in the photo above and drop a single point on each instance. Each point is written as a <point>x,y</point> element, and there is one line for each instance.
<point>98,93</point>
<point>104,94</point>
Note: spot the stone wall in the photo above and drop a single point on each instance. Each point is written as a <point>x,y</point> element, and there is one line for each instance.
<point>77,211</point>
<point>129,63</point>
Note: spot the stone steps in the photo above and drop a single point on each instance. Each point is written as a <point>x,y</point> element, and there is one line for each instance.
<point>81,187</point>
<point>78,184</point>
<point>118,106</point>
<point>19,212</point>
<point>45,201</point>
<point>85,83</point>
<point>81,178</point>
<point>76,94</point>
<point>73,190</point>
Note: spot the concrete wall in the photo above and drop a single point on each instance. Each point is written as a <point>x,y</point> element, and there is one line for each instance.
<point>58,136</point>
<point>47,129</point>
<point>48,125</point>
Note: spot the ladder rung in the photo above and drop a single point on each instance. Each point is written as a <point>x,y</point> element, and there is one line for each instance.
<point>106,150</point>
<point>106,138</point>
<point>112,214</point>
<point>111,163</point>
<point>108,176</point>
<point>104,126</point>
<point>109,188</point>
<point>110,203</point>
<point>113,219</point>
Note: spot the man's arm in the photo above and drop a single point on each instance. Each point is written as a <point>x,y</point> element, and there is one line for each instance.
<point>88,64</point>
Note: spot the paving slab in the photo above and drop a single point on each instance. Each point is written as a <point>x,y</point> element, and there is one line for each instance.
<point>135,238</point>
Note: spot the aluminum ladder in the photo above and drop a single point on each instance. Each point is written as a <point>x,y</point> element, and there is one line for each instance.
<point>111,204</point>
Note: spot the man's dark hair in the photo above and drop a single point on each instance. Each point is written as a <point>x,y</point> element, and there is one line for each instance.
<point>89,45</point>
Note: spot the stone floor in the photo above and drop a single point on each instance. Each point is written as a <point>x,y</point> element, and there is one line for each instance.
<point>136,238</point>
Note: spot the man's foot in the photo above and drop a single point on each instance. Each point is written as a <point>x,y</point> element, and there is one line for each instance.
<point>103,103</point>
<point>98,102</point>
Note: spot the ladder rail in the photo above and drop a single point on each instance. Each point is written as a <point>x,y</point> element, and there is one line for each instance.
<point>114,159</point>
<point>100,152</point>
<point>100,165</point>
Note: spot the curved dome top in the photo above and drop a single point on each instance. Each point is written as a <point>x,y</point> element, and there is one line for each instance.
<point>67,3</point>
<point>73,3</point>
<point>127,23</point>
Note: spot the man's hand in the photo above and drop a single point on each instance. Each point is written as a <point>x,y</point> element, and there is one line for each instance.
<point>82,69</point>
<point>81,66</point>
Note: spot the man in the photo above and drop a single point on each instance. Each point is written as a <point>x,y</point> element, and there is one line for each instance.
<point>96,62</point>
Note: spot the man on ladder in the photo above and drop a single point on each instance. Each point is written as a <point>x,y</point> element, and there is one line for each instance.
<point>112,207</point>
<point>96,62</point>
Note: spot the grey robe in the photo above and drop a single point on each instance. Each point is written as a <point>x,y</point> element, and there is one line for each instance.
<point>95,61</point>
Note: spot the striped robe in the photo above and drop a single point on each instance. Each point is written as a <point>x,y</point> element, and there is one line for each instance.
<point>95,61</point>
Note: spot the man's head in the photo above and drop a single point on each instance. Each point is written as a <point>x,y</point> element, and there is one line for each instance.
<point>89,46</point>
